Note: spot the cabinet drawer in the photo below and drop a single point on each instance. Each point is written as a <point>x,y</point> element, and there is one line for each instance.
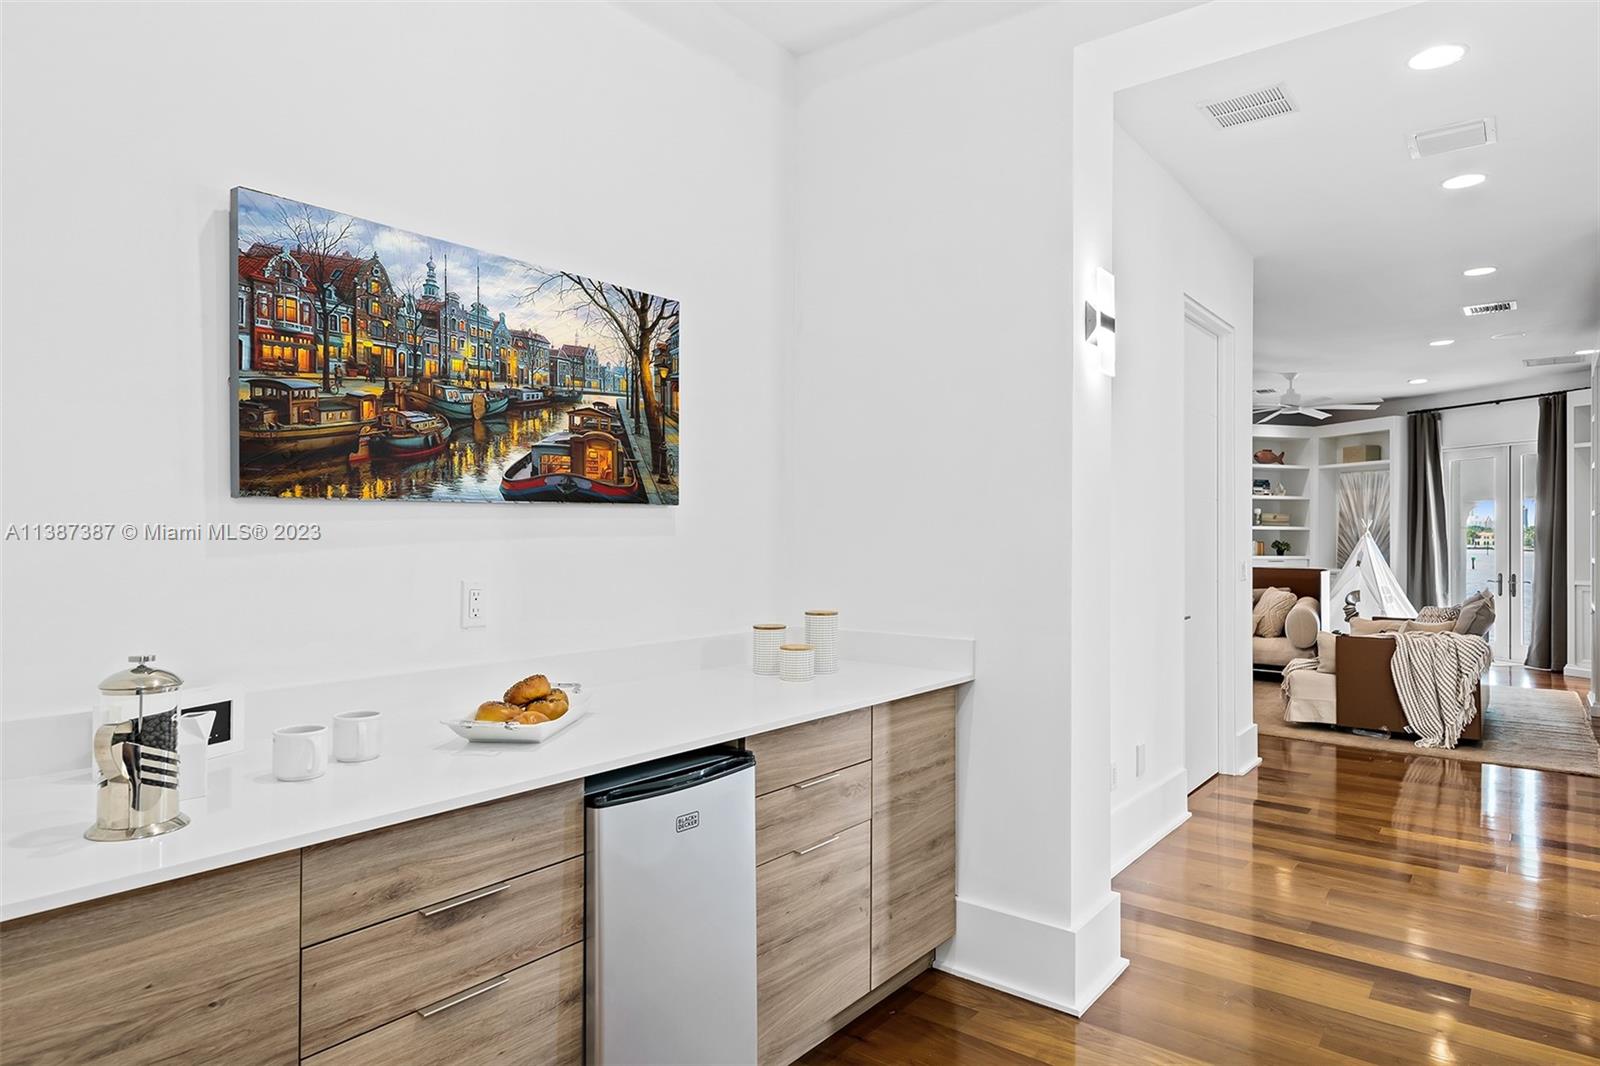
<point>535,1015</point>
<point>801,752</point>
<point>813,956</point>
<point>802,814</point>
<point>349,884</point>
<point>363,979</point>
<point>198,970</point>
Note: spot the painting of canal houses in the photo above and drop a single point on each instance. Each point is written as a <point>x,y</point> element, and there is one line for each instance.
<point>373,363</point>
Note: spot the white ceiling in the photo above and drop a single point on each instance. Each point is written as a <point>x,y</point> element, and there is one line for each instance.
<point>1359,252</point>
<point>803,26</point>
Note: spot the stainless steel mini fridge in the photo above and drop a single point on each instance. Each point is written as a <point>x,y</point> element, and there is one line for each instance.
<point>671,954</point>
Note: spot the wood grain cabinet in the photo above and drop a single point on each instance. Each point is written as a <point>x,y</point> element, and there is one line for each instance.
<point>855,852</point>
<point>438,913</point>
<point>913,829</point>
<point>205,969</point>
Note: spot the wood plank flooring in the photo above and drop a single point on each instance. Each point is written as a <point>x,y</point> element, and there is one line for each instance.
<point>1334,906</point>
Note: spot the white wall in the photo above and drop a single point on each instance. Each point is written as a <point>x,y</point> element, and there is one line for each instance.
<point>1166,247</point>
<point>933,243</point>
<point>125,126</point>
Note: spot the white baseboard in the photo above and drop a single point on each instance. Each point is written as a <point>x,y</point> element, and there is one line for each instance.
<point>1576,671</point>
<point>1246,751</point>
<point>1065,969</point>
<point>1139,823</point>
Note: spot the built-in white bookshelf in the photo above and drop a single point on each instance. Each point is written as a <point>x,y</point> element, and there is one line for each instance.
<point>1305,487</point>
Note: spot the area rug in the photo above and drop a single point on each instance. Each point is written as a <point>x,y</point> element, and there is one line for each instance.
<point>1540,729</point>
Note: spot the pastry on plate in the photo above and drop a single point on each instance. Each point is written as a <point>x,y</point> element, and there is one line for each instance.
<point>530,717</point>
<point>496,711</point>
<point>535,687</point>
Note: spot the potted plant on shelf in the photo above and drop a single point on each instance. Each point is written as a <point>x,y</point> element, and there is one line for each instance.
<point>1280,547</point>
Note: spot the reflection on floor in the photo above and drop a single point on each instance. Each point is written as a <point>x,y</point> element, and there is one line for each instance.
<point>1333,906</point>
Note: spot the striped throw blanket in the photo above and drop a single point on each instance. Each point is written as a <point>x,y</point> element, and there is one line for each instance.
<point>1294,666</point>
<point>1435,676</point>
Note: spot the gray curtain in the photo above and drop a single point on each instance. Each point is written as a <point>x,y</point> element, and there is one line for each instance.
<point>1427,564</point>
<point>1547,650</point>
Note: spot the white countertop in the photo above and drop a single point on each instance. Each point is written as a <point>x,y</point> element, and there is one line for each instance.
<point>45,862</point>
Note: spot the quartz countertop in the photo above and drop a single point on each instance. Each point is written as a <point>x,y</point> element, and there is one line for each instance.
<point>648,711</point>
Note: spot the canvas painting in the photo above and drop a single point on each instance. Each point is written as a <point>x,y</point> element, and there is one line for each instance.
<point>373,363</point>
<point>1363,504</point>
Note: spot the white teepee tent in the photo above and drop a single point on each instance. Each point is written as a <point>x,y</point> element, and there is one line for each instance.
<point>1367,572</point>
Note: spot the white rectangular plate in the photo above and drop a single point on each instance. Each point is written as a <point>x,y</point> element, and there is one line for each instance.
<point>511,733</point>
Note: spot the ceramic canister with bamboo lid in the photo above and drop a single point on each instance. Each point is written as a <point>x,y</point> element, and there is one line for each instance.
<point>765,639</point>
<point>797,662</point>
<point>822,633</point>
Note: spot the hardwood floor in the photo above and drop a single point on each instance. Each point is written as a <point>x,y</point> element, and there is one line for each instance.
<point>1334,906</point>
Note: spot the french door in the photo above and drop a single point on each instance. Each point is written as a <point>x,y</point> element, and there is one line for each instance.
<point>1490,498</point>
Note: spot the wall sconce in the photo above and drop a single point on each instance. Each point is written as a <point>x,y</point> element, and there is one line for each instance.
<point>1100,320</point>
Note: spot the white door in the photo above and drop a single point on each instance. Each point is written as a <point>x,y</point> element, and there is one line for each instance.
<point>1202,648</point>
<point>1490,499</point>
<point>1520,574</point>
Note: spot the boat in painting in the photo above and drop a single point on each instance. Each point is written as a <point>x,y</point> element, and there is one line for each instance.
<point>525,399</point>
<point>411,434</point>
<point>598,417</point>
<point>287,417</point>
<point>578,467</point>
<point>458,402</point>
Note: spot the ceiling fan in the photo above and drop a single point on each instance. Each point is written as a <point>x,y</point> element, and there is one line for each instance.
<point>1292,403</point>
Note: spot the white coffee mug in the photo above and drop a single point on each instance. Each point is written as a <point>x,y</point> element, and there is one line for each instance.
<point>299,752</point>
<point>357,735</point>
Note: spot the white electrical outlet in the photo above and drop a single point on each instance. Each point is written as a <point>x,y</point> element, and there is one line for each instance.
<point>1138,760</point>
<point>474,605</point>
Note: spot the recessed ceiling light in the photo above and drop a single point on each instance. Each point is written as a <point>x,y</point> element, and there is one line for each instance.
<point>1463,181</point>
<point>1417,381</point>
<point>1587,351</point>
<point>1511,335</point>
<point>1477,272</point>
<point>1440,55</point>
<point>1445,343</point>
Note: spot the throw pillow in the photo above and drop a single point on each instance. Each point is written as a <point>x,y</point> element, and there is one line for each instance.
<point>1420,626</point>
<point>1326,643</point>
<point>1302,624</point>
<point>1477,615</point>
<point>1371,627</point>
<point>1439,614</point>
<point>1271,611</point>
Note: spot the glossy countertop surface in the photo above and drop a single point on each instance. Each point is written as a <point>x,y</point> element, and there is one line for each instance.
<point>424,769</point>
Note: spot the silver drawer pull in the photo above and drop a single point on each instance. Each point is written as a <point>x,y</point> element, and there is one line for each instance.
<point>461,997</point>
<point>819,780</point>
<point>814,847</point>
<point>467,897</point>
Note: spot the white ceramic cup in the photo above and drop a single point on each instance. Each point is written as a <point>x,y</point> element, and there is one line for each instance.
<point>357,735</point>
<point>299,752</point>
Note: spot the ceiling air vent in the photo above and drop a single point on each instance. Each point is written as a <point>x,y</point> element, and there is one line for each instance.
<point>1554,360</point>
<point>1250,107</point>
<point>1452,138</point>
<point>1473,310</point>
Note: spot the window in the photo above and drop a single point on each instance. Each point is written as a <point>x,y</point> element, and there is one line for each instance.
<point>263,306</point>
<point>374,289</point>
<point>305,314</point>
<point>241,308</point>
<point>375,309</point>
<point>344,323</point>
